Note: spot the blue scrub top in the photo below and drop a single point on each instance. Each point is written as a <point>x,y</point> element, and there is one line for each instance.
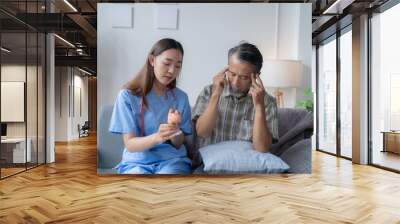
<point>126,119</point>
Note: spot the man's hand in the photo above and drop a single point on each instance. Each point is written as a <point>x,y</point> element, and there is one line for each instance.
<point>262,138</point>
<point>205,124</point>
<point>219,81</point>
<point>257,91</point>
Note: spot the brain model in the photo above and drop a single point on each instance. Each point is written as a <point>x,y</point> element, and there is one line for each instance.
<point>174,117</point>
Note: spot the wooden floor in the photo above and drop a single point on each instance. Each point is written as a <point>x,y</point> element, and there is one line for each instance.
<point>5,172</point>
<point>387,159</point>
<point>70,191</point>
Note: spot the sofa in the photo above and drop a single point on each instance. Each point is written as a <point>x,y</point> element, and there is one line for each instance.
<point>294,145</point>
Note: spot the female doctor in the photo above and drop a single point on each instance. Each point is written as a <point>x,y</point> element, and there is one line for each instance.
<point>153,115</point>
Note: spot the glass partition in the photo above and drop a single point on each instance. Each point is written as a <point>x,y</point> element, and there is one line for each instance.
<point>22,88</point>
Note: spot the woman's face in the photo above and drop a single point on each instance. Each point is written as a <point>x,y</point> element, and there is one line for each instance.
<point>167,66</point>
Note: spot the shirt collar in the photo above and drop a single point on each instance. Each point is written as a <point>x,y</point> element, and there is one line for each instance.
<point>168,94</point>
<point>226,92</point>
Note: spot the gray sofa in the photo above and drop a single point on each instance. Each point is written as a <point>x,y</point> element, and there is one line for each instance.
<point>294,145</point>
<point>295,128</point>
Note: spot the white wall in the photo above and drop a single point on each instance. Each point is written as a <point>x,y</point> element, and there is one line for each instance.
<point>61,103</point>
<point>304,48</point>
<point>206,31</point>
<point>295,42</point>
<point>80,82</point>
<point>66,121</point>
<point>18,73</point>
<point>50,95</point>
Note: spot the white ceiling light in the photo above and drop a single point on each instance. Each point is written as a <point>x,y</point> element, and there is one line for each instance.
<point>65,41</point>
<point>86,72</point>
<point>5,50</point>
<point>337,7</point>
<point>70,5</point>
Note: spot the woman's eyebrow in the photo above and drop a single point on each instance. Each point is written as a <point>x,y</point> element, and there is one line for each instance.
<point>170,59</point>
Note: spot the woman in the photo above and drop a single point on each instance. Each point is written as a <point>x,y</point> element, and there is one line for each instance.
<point>152,144</point>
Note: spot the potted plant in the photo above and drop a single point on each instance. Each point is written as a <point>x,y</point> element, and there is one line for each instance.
<point>308,103</point>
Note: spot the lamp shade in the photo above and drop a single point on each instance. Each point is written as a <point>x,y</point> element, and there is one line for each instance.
<point>281,73</point>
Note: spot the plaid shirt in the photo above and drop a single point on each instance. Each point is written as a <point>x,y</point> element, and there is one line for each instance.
<point>235,117</point>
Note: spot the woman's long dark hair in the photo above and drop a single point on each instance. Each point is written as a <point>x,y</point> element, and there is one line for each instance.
<point>143,82</point>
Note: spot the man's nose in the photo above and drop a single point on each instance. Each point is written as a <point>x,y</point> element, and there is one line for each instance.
<point>235,81</point>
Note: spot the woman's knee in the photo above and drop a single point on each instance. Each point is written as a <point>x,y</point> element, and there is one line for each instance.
<point>137,170</point>
<point>175,168</point>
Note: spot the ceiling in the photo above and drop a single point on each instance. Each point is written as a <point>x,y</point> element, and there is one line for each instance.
<point>76,21</point>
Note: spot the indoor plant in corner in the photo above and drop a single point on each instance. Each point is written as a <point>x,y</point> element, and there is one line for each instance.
<point>308,103</point>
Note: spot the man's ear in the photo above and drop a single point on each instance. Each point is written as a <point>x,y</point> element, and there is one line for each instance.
<point>151,60</point>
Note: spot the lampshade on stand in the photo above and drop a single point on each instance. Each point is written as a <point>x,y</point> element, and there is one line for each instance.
<point>278,94</point>
<point>281,74</point>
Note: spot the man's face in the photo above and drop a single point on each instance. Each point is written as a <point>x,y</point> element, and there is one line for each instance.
<point>239,75</point>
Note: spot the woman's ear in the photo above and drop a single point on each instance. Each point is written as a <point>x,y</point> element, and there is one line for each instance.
<point>151,60</point>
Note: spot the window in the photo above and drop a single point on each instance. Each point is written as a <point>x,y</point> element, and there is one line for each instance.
<point>327,96</point>
<point>385,89</point>
<point>346,93</point>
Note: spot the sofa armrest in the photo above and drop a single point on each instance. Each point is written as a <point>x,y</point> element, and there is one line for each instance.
<point>298,157</point>
<point>308,133</point>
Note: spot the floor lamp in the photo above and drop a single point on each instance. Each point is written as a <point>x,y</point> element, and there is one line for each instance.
<point>280,74</point>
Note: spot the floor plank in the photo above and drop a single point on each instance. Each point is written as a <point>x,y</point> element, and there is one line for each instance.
<point>387,159</point>
<point>70,191</point>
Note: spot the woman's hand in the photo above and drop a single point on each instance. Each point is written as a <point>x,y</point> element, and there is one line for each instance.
<point>165,132</point>
<point>174,118</point>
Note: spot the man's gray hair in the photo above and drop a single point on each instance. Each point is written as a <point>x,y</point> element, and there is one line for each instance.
<point>249,53</point>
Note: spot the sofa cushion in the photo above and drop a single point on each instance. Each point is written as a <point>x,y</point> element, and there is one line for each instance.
<point>298,157</point>
<point>109,145</point>
<point>239,157</point>
<point>294,125</point>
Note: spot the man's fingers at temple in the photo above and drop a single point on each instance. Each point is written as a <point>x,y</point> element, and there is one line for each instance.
<point>260,81</point>
<point>223,70</point>
<point>255,86</point>
<point>251,91</point>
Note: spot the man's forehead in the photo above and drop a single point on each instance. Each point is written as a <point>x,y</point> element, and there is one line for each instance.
<point>236,64</point>
<point>234,59</point>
